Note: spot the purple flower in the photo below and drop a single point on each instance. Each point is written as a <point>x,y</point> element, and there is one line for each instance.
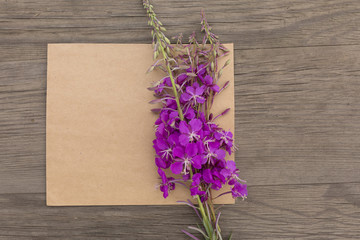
<point>188,141</point>
<point>201,70</point>
<point>190,132</point>
<point>181,78</point>
<point>193,94</point>
<point>189,113</point>
<point>185,158</point>
<point>213,152</point>
<point>195,188</point>
<point>158,89</point>
<point>230,172</point>
<point>239,190</point>
<point>210,178</point>
<point>225,138</point>
<point>208,82</point>
<point>167,183</point>
<point>196,179</point>
<point>196,191</point>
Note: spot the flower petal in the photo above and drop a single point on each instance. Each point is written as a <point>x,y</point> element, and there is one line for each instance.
<point>167,81</point>
<point>185,97</point>
<point>190,90</point>
<point>196,179</point>
<point>200,90</point>
<point>160,129</point>
<point>184,139</point>
<point>190,113</point>
<point>231,165</point>
<point>215,88</point>
<point>191,149</point>
<point>239,190</point>
<point>176,167</point>
<point>220,153</point>
<point>208,80</point>
<point>165,190</point>
<point>161,144</point>
<point>160,163</point>
<point>201,148</point>
<point>178,152</point>
<point>162,175</point>
<point>200,99</point>
<point>195,124</point>
<point>181,78</point>
<point>225,172</point>
<point>184,128</point>
<point>196,161</point>
<point>207,176</point>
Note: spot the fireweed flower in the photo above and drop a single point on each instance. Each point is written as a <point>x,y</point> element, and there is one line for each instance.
<point>226,138</point>
<point>213,152</point>
<point>210,85</point>
<point>190,147</point>
<point>239,190</point>
<point>190,132</point>
<point>166,184</point>
<point>193,94</point>
<point>184,158</point>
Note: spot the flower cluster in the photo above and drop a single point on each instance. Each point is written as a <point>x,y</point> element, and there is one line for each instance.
<point>191,148</point>
<point>196,146</point>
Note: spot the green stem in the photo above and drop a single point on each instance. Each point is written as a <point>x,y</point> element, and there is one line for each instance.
<point>181,115</point>
<point>162,39</point>
<point>207,223</point>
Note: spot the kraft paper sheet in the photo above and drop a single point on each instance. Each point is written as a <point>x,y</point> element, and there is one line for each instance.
<point>99,128</point>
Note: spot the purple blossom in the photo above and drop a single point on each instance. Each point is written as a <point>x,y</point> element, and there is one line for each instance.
<point>181,78</point>
<point>210,178</point>
<point>158,89</point>
<point>190,113</point>
<point>185,158</point>
<point>193,145</point>
<point>210,85</point>
<point>230,172</point>
<point>167,183</point>
<point>214,152</point>
<point>193,94</point>
<point>187,140</point>
<point>239,190</point>
<point>190,132</point>
<point>226,138</point>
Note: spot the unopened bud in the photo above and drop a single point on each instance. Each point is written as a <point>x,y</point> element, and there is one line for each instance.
<point>220,73</point>
<point>156,54</point>
<point>226,63</point>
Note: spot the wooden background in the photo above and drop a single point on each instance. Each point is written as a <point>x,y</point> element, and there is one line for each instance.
<point>297,72</point>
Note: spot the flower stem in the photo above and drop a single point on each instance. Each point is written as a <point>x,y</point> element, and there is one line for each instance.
<point>206,221</point>
<point>181,115</point>
<point>161,39</point>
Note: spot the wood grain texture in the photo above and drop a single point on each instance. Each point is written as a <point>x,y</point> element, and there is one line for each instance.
<point>315,211</point>
<point>250,24</point>
<point>297,81</point>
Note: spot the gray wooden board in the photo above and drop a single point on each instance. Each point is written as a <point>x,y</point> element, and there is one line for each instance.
<point>297,72</point>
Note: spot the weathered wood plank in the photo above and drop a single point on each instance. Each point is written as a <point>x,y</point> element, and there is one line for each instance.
<point>249,24</point>
<point>298,114</point>
<point>323,211</point>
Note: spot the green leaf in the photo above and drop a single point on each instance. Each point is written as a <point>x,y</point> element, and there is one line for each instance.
<point>199,230</point>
